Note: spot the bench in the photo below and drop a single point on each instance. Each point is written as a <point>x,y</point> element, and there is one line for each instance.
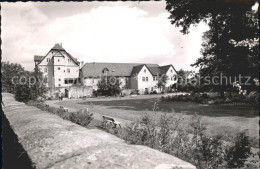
<point>110,120</point>
<point>64,108</point>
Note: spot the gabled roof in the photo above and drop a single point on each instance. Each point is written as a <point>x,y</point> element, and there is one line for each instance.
<point>57,47</point>
<point>115,69</point>
<point>136,69</point>
<point>165,68</point>
<point>155,70</point>
<point>38,58</point>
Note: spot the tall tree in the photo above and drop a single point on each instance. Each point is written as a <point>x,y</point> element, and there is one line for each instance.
<point>9,73</point>
<point>230,47</point>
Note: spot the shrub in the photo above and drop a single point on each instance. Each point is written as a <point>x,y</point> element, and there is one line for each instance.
<point>81,117</point>
<point>190,144</point>
<point>135,92</point>
<point>109,86</point>
<point>239,151</point>
<point>153,92</point>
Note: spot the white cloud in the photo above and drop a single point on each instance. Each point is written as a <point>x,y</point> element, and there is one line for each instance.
<point>104,34</point>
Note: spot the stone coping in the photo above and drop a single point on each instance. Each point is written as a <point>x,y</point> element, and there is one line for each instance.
<point>52,142</point>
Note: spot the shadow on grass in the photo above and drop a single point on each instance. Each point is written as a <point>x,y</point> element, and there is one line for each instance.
<point>178,107</point>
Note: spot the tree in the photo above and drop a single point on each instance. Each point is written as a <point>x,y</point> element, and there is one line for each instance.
<point>109,86</point>
<point>9,72</point>
<point>230,47</point>
<point>162,82</point>
<point>37,84</point>
<point>31,88</point>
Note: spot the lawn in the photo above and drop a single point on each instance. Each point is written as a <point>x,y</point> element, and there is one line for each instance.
<point>225,120</point>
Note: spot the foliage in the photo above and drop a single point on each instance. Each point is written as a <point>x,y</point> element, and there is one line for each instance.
<point>10,70</point>
<point>238,152</point>
<point>194,97</point>
<point>162,82</point>
<point>134,92</point>
<point>83,117</point>
<point>109,86</point>
<point>190,144</point>
<point>32,89</point>
<point>231,45</point>
<point>153,92</point>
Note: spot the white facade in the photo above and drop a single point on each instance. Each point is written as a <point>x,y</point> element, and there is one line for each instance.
<point>146,81</point>
<point>172,77</point>
<point>60,69</point>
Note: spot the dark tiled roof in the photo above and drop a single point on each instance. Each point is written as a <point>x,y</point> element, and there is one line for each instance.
<point>155,70</point>
<point>38,58</point>
<point>136,69</point>
<point>57,47</point>
<point>115,69</point>
<point>165,68</point>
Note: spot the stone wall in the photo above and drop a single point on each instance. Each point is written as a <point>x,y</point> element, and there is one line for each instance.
<point>52,142</point>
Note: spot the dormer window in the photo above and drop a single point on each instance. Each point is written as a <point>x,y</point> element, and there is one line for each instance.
<point>105,71</point>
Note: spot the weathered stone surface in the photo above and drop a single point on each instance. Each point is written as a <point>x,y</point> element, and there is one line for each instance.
<point>52,142</point>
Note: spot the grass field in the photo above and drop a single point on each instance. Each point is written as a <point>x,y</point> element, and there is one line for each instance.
<point>225,120</point>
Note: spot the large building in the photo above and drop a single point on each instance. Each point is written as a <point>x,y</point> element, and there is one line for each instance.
<point>63,70</point>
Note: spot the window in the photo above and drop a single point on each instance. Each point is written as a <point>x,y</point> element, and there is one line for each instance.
<point>171,79</point>
<point>59,85</point>
<point>70,81</point>
<point>146,78</point>
<point>58,60</point>
<point>68,70</point>
<point>45,70</point>
<point>144,70</point>
<point>143,79</point>
<point>151,88</point>
<point>58,68</point>
<point>175,77</point>
<point>59,79</point>
<point>69,60</point>
<point>154,78</point>
<point>64,71</point>
<point>48,59</point>
<point>171,71</point>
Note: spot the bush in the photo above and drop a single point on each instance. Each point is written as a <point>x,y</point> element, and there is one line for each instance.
<point>153,92</point>
<point>22,93</point>
<point>135,92</point>
<point>109,86</point>
<point>190,144</point>
<point>238,152</point>
<point>81,117</point>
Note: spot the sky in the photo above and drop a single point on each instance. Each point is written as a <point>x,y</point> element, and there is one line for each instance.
<point>121,32</point>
